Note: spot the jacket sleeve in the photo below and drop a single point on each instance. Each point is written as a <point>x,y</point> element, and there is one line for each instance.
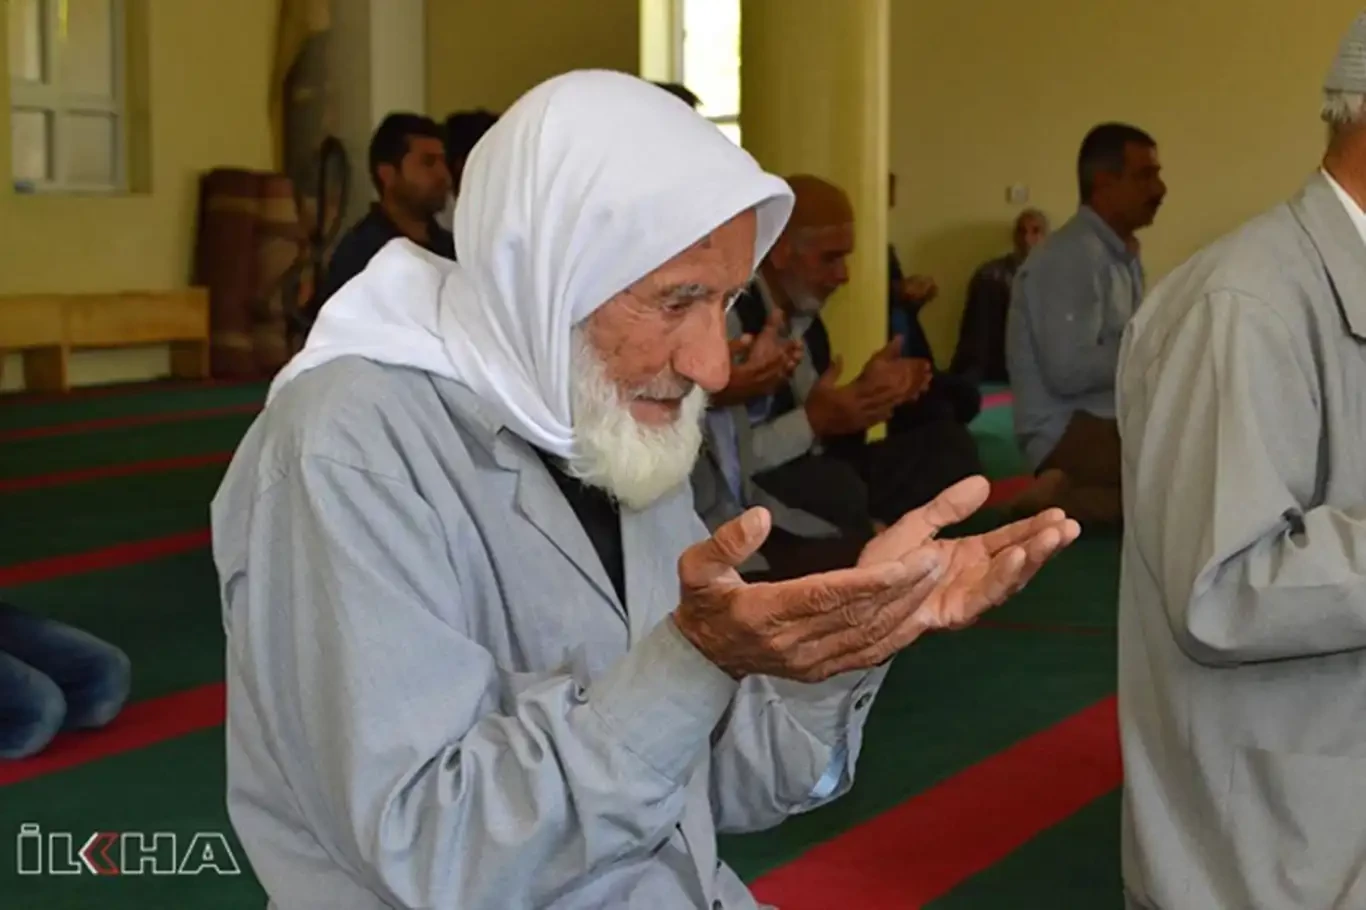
<point>1225,481</point>
<point>431,770</point>
<point>1065,305</point>
<point>788,747</point>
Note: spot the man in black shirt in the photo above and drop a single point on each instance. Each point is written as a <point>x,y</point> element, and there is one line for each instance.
<point>408,169</point>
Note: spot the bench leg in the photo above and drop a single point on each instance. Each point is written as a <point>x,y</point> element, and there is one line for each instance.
<point>45,370</point>
<point>190,359</point>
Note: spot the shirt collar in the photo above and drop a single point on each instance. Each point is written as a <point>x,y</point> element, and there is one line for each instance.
<point>1353,209</point>
<point>1105,232</point>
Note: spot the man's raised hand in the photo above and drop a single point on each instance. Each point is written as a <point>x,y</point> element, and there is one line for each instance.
<point>978,572</point>
<point>762,364</point>
<point>807,629</point>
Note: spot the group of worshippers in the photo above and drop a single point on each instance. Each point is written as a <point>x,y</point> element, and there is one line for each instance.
<point>482,651</point>
<point>802,450</point>
<point>1219,419</point>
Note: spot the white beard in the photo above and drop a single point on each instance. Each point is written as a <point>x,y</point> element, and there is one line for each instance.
<point>636,463</point>
<point>802,301</point>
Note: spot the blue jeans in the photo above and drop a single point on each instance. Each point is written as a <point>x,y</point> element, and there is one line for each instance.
<point>53,678</point>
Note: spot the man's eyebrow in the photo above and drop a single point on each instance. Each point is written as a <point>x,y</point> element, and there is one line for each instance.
<point>682,293</point>
<point>691,292</point>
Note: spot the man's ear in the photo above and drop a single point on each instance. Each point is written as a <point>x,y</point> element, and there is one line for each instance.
<point>387,174</point>
<point>1105,180</point>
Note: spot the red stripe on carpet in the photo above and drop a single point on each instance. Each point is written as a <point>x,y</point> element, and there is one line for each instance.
<point>119,389</point>
<point>141,724</point>
<point>997,399</point>
<point>105,472</point>
<point>123,554</point>
<point>922,849</point>
<point>1004,489</point>
<point>119,423</point>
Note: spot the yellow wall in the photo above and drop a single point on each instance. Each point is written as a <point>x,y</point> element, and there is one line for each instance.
<point>486,53</point>
<point>208,73</point>
<point>986,93</point>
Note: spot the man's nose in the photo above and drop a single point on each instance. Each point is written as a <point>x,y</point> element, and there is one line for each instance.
<point>703,354</point>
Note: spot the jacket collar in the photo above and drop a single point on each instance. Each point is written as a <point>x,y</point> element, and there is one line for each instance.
<point>1339,245</point>
<point>538,499</point>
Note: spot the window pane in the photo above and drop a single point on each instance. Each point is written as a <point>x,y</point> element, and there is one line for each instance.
<point>85,47</point>
<point>25,24</point>
<point>732,131</point>
<point>31,138</point>
<point>711,54</point>
<point>89,149</point>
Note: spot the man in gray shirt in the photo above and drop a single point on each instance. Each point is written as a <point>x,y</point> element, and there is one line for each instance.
<point>481,652</point>
<point>1072,299</point>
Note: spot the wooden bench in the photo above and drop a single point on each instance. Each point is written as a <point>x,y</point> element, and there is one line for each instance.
<point>46,328</point>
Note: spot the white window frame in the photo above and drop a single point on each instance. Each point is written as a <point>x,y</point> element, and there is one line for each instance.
<point>680,75</point>
<point>49,98</point>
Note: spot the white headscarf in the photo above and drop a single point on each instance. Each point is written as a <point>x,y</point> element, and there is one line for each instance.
<point>588,183</point>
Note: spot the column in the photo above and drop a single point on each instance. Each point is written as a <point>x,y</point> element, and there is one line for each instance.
<point>377,65</point>
<point>814,90</point>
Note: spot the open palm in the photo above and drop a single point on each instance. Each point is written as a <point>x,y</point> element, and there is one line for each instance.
<point>978,572</point>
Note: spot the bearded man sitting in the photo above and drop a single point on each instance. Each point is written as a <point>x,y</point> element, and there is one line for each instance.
<point>482,653</point>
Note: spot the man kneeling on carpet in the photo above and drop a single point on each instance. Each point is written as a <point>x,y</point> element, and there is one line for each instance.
<point>53,678</point>
<point>481,650</point>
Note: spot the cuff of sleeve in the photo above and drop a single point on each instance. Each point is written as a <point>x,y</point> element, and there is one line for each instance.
<point>663,700</point>
<point>833,709</point>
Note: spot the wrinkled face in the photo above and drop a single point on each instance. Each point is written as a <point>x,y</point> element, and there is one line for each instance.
<point>813,263</point>
<point>645,361</point>
<point>1029,231</point>
<point>421,183</point>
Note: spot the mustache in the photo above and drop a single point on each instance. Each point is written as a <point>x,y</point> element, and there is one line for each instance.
<point>664,387</point>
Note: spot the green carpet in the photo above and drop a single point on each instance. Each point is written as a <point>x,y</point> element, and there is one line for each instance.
<point>29,457</point>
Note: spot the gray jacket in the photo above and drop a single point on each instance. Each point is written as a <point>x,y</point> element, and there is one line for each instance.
<point>437,700</point>
<point>1242,616</point>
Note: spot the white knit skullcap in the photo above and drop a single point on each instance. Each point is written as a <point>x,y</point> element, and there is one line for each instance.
<point>1348,73</point>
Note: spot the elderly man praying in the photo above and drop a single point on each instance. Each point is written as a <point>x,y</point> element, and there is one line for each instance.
<point>482,653</point>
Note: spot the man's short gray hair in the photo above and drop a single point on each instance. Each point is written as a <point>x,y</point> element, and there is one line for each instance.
<point>1343,110</point>
<point>1033,213</point>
